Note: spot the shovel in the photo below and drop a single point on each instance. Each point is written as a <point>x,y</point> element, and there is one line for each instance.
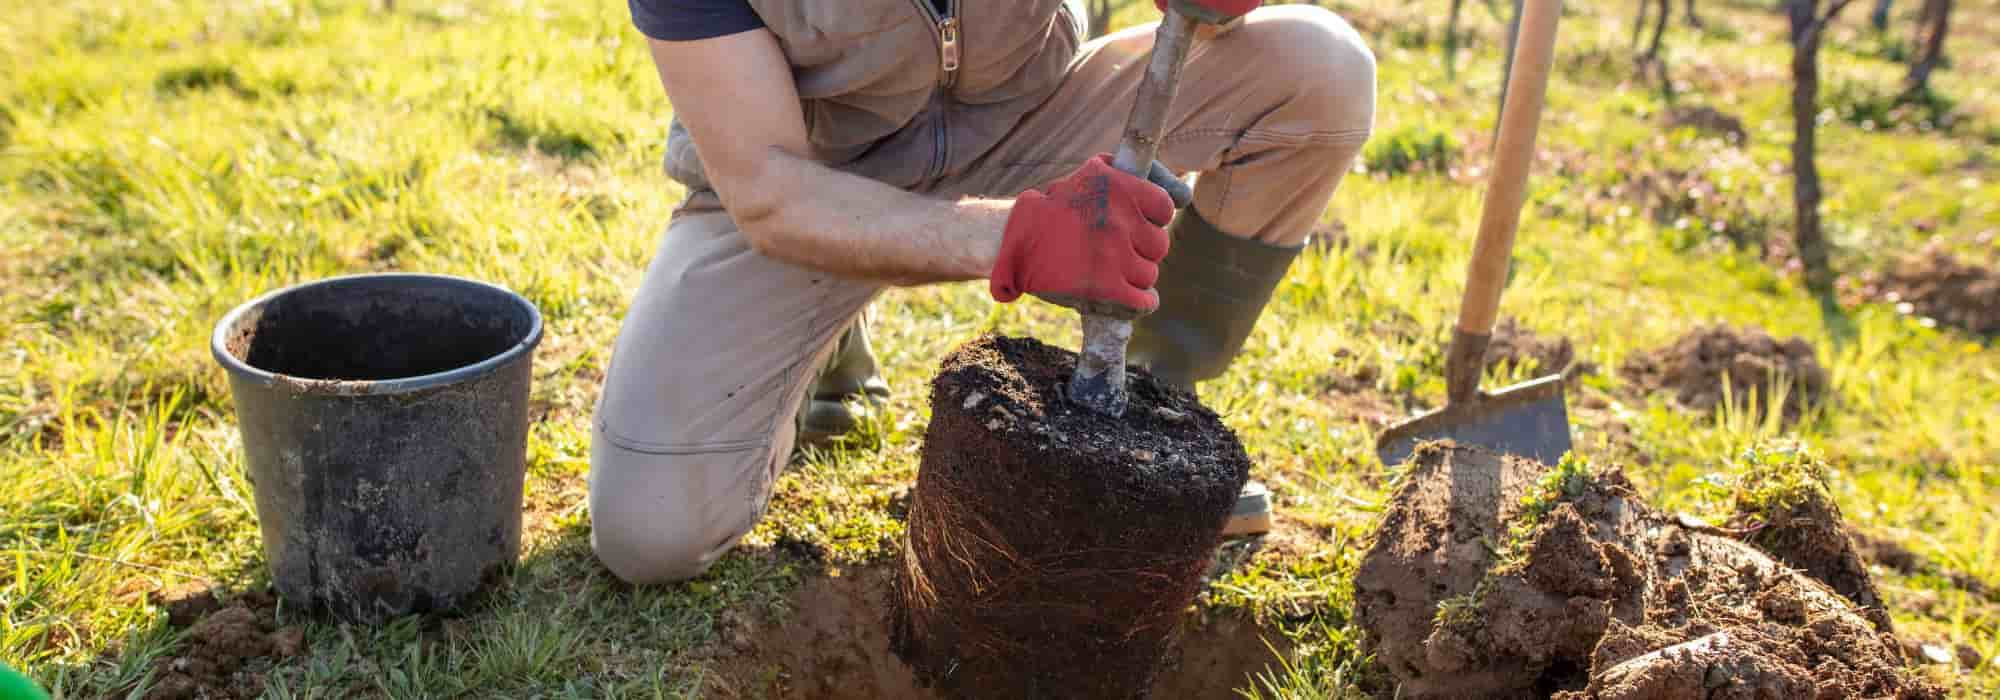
<point>1527,419</point>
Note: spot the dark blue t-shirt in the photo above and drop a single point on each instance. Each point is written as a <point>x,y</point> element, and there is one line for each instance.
<point>687,20</point>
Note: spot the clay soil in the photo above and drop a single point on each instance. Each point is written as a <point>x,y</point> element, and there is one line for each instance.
<point>1938,286</point>
<point>1598,598</point>
<point>1052,551</point>
<point>228,647</point>
<point>1811,536</point>
<point>1695,367</point>
<point>834,645</point>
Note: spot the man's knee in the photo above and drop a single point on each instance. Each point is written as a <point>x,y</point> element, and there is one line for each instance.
<point>1327,61</point>
<point>658,518</point>
<point>643,553</point>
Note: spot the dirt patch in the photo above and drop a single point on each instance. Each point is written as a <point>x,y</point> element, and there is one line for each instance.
<point>1889,553</point>
<point>1052,550</point>
<point>1352,394</point>
<point>1752,364</point>
<point>1698,205</point>
<point>1935,285</point>
<point>1709,121</point>
<point>228,648</point>
<point>1515,345</point>
<point>1494,577</point>
<point>1333,240</point>
<point>834,645</point>
<point>1943,652</point>
<point>1214,656</point>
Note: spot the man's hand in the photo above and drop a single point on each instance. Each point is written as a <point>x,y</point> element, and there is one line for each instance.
<point>1219,10</point>
<point>1094,238</point>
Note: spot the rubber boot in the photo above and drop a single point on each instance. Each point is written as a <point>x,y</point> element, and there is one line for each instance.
<point>848,388</point>
<point>1212,287</point>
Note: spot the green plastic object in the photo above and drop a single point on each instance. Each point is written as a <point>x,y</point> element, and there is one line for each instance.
<point>14,686</point>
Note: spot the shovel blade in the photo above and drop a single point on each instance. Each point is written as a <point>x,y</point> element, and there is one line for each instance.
<point>1527,420</point>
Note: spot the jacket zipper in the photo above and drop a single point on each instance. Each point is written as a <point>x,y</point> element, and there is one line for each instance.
<point>946,24</point>
<point>949,53</point>
<point>948,47</point>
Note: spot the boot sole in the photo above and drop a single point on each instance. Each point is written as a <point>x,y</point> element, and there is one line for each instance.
<point>1252,514</point>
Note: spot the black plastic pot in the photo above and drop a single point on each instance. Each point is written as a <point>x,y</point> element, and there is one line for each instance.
<point>385,421</point>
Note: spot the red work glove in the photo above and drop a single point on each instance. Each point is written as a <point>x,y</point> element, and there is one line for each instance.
<point>1220,9</point>
<point>1093,239</point>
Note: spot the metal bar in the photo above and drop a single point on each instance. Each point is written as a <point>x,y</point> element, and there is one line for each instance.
<point>1099,382</point>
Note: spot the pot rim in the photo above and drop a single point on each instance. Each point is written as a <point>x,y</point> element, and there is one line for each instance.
<point>238,368</point>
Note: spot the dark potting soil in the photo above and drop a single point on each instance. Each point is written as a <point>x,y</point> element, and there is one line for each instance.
<point>375,334</point>
<point>1600,598</point>
<point>228,648</point>
<point>1052,550</point>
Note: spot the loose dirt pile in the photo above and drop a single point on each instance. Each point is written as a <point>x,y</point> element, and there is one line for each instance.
<point>834,645</point>
<point>1697,203</point>
<point>1515,345</point>
<point>1753,365</point>
<point>228,648</point>
<point>1938,286</point>
<point>1497,577</point>
<point>1052,550</point>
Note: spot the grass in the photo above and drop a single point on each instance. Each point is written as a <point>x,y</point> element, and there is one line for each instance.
<point>1777,480</point>
<point>1409,149</point>
<point>162,161</point>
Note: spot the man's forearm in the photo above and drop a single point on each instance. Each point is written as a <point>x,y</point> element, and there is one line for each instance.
<point>806,213</point>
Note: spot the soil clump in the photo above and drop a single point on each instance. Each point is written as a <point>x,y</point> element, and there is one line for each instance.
<point>1938,286</point>
<point>1053,551</point>
<point>1750,363</point>
<point>1497,577</point>
<point>1808,534</point>
<point>228,648</point>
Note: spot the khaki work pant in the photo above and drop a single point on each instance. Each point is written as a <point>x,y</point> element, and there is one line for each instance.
<point>721,343</point>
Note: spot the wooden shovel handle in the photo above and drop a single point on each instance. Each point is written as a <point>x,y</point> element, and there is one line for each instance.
<point>1500,215</point>
<point>1141,141</point>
